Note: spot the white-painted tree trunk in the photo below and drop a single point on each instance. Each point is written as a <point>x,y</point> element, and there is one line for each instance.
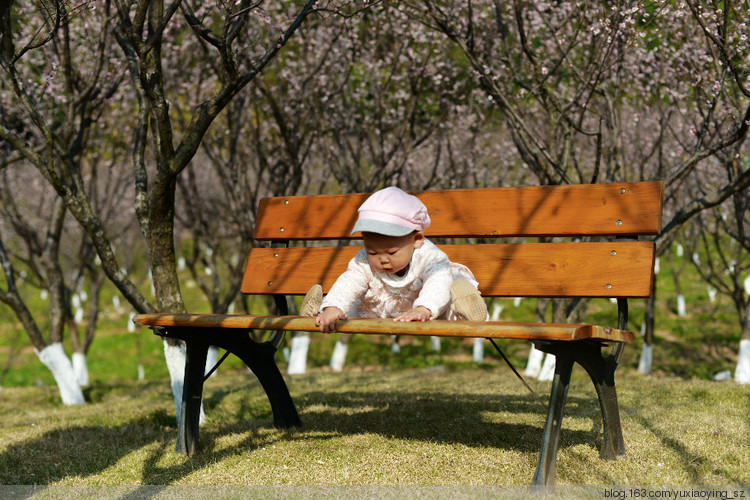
<point>534,363</point>
<point>497,308</point>
<point>644,365</point>
<point>58,363</point>
<point>478,350</point>
<point>435,343</point>
<point>742,373</point>
<point>298,354</point>
<point>339,356</point>
<point>81,369</point>
<point>117,305</point>
<point>548,368</point>
<point>517,301</point>
<point>395,346</point>
<point>656,265</point>
<point>175,357</point>
<point>723,375</point>
<point>212,356</point>
<point>681,308</point>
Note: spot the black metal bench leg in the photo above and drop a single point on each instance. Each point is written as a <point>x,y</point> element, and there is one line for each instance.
<point>601,370</point>
<point>259,358</point>
<point>545,470</point>
<point>192,394</point>
<point>602,373</point>
<point>614,444</point>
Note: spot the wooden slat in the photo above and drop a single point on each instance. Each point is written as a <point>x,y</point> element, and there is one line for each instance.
<point>442,328</point>
<point>583,209</point>
<point>599,269</point>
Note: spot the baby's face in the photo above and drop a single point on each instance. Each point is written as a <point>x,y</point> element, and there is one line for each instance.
<point>391,254</point>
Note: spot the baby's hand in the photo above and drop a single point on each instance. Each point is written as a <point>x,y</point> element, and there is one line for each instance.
<point>419,313</point>
<point>327,319</point>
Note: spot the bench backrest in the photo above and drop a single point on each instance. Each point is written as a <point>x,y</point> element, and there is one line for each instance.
<point>608,267</point>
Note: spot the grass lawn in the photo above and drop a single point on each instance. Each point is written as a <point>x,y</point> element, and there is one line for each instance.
<point>425,418</point>
<point>438,425</point>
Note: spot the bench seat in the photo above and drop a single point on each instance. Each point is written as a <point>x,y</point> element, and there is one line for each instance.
<point>439,328</point>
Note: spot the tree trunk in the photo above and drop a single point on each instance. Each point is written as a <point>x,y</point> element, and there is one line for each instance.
<point>81,345</point>
<point>160,237</point>
<point>298,353</point>
<point>81,369</point>
<point>681,310</point>
<point>534,363</point>
<point>58,363</point>
<point>649,322</point>
<point>161,246</point>
<point>175,357</point>
<point>742,372</point>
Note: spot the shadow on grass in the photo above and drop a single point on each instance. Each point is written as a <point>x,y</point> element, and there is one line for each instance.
<point>81,451</point>
<point>503,421</point>
<point>470,420</point>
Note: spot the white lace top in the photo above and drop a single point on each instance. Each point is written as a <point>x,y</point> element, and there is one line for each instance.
<point>361,292</point>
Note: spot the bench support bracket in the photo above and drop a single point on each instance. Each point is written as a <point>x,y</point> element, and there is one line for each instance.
<point>601,369</point>
<point>257,356</point>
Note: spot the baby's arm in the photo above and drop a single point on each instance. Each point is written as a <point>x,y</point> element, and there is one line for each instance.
<point>435,294</point>
<point>327,319</point>
<point>348,287</point>
<point>419,313</point>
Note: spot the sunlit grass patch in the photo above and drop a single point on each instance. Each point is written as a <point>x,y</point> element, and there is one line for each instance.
<point>457,426</point>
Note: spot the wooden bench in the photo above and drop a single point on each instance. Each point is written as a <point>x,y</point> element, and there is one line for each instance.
<point>593,252</point>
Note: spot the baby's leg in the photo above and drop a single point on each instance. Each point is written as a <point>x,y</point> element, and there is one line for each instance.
<point>312,301</point>
<point>468,303</point>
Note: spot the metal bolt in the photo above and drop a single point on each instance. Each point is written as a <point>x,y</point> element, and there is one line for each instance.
<point>622,190</point>
<point>286,202</point>
<point>270,283</point>
<point>275,256</point>
<point>608,286</point>
<point>281,229</point>
<point>612,253</point>
<point>619,223</point>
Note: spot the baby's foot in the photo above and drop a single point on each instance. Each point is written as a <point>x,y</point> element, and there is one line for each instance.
<point>312,301</point>
<point>468,303</point>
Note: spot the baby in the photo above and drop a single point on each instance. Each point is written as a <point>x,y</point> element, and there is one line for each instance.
<point>399,273</point>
